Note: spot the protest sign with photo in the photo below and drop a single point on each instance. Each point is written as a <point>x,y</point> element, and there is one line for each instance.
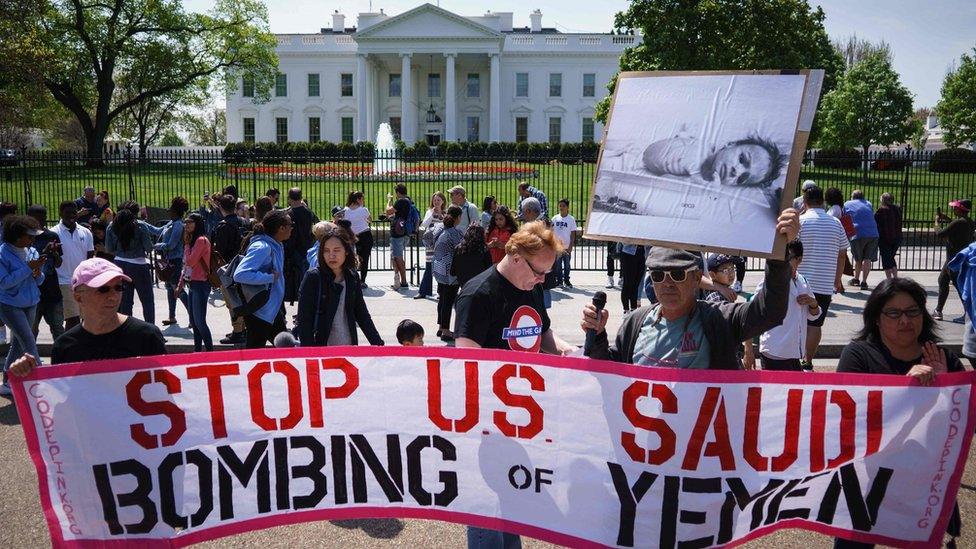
<point>702,160</point>
<point>174,450</point>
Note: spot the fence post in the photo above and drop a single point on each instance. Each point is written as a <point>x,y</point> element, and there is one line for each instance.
<point>254,175</point>
<point>128,167</point>
<point>904,184</point>
<point>27,188</point>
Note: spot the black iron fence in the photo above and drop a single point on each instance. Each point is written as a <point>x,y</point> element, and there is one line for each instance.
<point>922,183</point>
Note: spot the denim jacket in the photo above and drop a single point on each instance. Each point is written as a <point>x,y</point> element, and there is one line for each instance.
<point>171,240</point>
<point>18,287</point>
<point>140,246</point>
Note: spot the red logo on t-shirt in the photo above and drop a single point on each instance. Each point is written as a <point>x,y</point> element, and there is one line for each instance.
<point>524,332</point>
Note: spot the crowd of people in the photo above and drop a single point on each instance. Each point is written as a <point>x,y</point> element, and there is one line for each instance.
<point>490,268</point>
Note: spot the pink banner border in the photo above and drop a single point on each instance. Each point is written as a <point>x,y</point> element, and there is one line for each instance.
<point>18,384</point>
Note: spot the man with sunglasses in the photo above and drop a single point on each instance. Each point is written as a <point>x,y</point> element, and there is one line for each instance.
<point>104,333</point>
<point>503,308</point>
<point>681,331</point>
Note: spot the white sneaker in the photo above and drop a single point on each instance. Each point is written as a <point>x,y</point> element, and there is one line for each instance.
<point>736,286</point>
<point>610,282</point>
<point>3,335</point>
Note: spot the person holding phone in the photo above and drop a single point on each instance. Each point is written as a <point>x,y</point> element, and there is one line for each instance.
<point>20,280</point>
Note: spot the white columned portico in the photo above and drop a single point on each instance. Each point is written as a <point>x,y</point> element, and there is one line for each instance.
<point>450,109</point>
<point>370,114</point>
<point>361,94</point>
<point>408,126</point>
<point>494,100</point>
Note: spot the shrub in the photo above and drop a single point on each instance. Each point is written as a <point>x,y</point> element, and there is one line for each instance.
<point>347,150</point>
<point>841,159</point>
<point>521,152</point>
<point>495,151</point>
<point>569,153</point>
<point>538,153</point>
<point>408,153</point>
<point>589,151</point>
<point>365,149</point>
<point>268,152</point>
<point>421,150</point>
<point>236,153</point>
<point>477,149</point>
<point>953,161</point>
<point>299,152</point>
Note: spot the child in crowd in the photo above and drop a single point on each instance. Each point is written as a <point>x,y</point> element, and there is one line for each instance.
<point>564,225</point>
<point>782,347</point>
<point>721,269</point>
<point>410,334</point>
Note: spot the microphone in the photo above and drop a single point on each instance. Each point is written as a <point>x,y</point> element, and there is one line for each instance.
<point>599,301</point>
<point>285,339</point>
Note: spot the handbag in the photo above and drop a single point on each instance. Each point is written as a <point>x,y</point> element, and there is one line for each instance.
<point>164,269</point>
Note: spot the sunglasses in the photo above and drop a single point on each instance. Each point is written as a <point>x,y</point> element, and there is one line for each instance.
<point>106,289</point>
<point>677,275</point>
<point>895,314</point>
<point>537,273</point>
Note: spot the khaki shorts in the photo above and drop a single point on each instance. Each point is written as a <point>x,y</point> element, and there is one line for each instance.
<point>68,300</point>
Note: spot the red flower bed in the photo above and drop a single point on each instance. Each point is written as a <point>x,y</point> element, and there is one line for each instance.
<point>356,170</point>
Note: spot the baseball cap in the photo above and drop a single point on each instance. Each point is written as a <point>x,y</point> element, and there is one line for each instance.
<point>717,260</point>
<point>95,273</point>
<point>809,183</point>
<point>964,204</point>
<point>662,258</point>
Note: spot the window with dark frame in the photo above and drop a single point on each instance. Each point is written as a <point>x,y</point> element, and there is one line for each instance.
<point>347,134</point>
<point>521,129</point>
<point>281,85</point>
<point>247,87</point>
<point>394,86</point>
<point>313,84</point>
<point>555,129</point>
<point>395,126</point>
<point>474,129</point>
<point>589,84</point>
<point>474,84</point>
<point>587,129</point>
<point>345,84</point>
<point>281,130</point>
<point>555,84</point>
<point>521,84</point>
<point>314,129</point>
<point>433,85</point>
<point>249,130</point>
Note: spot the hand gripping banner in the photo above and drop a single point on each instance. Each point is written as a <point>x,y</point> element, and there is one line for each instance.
<point>174,450</point>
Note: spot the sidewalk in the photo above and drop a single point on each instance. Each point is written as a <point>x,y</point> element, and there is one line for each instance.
<point>388,308</point>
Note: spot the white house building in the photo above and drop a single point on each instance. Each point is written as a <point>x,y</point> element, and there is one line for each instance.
<point>434,75</point>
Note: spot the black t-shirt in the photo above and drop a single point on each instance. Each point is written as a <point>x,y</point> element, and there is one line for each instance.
<point>872,357</point>
<point>958,235</point>
<point>497,315</point>
<point>133,338</point>
<point>401,208</point>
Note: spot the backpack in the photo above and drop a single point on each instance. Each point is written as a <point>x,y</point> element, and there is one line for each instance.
<point>413,219</point>
<point>398,227</point>
<point>243,299</point>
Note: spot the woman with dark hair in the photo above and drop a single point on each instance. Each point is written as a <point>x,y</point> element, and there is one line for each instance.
<point>359,219</point>
<point>262,207</point>
<point>170,246</point>
<point>488,207</point>
<point>131,243</point>
<point>888,218</point>
<point>898,338</point>
<point>500,228</point>
<point>330,299</point>
<point>20,281</point>
<point>471,256</point>
<point>262,265</point>
<point>834,199</point>
<point>196,271</point>
<point>445,240</point>
<point>103,202</point>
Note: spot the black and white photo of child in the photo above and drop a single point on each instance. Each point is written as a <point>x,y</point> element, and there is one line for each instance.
<point>700,159</point>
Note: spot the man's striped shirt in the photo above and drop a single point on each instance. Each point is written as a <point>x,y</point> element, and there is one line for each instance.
<point>823,238</point>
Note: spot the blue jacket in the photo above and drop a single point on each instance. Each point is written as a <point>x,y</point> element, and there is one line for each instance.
<point>964,265</point>
<point>313,256</point>
<point>18,287</point>
<point>171,240</point>
<point>264,257</point>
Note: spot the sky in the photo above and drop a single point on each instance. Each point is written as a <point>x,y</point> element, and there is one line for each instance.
<point>925,37</point>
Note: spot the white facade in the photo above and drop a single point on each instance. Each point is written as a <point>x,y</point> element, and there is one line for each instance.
<point>434,54</point>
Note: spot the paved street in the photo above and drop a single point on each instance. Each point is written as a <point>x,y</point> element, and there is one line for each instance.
<point>23,524</point>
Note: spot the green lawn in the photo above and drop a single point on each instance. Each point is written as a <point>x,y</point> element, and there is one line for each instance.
<point>155,184</point>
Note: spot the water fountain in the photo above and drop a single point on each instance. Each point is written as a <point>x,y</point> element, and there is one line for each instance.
<point>385,160</point>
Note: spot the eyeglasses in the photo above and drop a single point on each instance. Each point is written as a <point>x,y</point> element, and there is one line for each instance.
<point>895,314</point>
<point>537,273</point>
<point>677,275</point>
<point>106,289</point>
<point>726,270</point>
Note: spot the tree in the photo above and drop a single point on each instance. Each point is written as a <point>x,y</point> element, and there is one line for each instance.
<point>920,134</point>
<point>171,139</point>
<point>725,35</point>
<point>957,108</point>
<point>24,102</point>
<point>869,105</point>
<point>206,128</point>
<point>92,42</point>
<point>855,49</point>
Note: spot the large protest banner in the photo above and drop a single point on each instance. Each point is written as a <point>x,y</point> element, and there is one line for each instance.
<point>169,451</point>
